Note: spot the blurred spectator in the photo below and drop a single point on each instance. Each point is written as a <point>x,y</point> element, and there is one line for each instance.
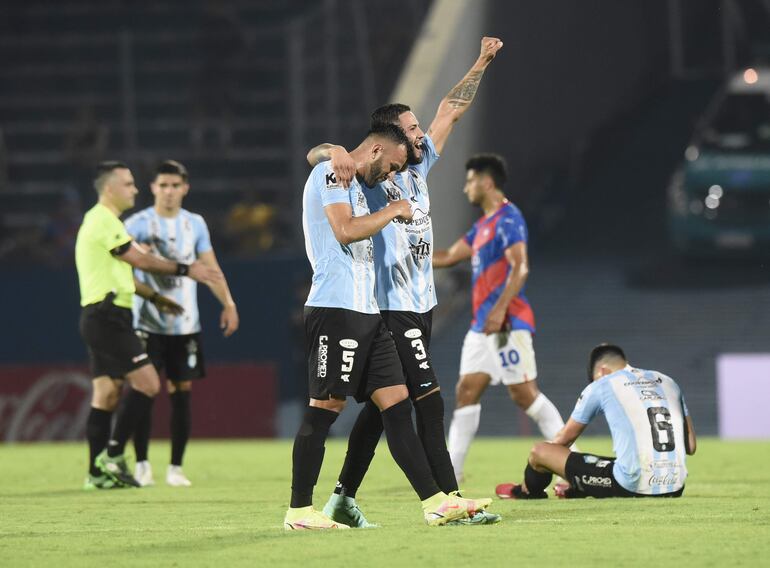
<point>249,226</point>
<point>59,234</point>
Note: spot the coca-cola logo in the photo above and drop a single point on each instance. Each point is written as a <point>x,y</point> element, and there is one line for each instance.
<point>54,407</point>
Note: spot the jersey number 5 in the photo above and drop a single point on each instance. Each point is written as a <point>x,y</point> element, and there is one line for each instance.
<point>661,428</point>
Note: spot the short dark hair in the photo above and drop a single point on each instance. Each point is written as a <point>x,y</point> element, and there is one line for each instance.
<point>104,170</point>
<point>601,353</point>
<point>172,167</point>
<point>388,114</point>
<point>389,131</point>
<point>491,164</point>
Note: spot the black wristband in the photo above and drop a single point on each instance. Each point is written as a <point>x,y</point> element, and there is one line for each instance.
<point>154,297</point>
<point>182,269</point>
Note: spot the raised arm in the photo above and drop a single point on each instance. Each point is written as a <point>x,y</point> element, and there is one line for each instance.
<point>457,101</point>
<point>343,166</point>
<point>348,229</point>
<point>516,255</point>
<point>458,252</point>
<point>229,321</point>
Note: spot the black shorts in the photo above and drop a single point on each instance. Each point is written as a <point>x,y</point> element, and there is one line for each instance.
<point>591,476</point>
<point>411,333</point>
<point>113,349</point>
<point>180,356</point>
<point>349,354</point>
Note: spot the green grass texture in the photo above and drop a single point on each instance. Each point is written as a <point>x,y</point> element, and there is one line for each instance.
<point>232,516</point>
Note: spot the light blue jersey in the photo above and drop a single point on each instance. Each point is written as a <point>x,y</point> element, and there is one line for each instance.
<point>182,239</point>
<point>343,275</point>
<point>403,249</point>
<point>645,411</point>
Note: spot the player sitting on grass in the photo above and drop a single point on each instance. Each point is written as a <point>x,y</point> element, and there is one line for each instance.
<point>651,432</point>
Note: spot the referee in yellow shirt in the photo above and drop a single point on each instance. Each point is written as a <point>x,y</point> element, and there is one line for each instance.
<point>105,255</point>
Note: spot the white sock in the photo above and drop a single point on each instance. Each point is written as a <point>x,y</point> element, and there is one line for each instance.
<point>465,424</point>
<point>546,416</point>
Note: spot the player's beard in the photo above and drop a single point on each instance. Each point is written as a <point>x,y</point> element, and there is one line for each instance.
<point>375,172</point>
<point>412,158</point>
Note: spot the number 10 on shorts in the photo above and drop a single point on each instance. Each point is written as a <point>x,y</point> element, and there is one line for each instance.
<point>510,357</point>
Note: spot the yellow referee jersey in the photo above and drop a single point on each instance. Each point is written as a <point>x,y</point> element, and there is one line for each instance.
<point>99,272</point>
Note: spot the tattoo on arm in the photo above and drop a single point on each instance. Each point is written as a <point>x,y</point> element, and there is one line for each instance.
<point>463,93</point>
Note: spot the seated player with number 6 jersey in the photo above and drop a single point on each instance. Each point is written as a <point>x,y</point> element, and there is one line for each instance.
<point>651,433</point>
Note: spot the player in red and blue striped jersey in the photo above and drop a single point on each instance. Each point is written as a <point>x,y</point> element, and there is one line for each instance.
<point>498,347</point>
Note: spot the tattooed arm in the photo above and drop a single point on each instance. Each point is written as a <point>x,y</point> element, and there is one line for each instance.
<point>457,101</point>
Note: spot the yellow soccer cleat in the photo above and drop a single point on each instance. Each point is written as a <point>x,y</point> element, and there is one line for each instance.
<point>442,508</point>
<point>307,518</point>
<point>473,506</point>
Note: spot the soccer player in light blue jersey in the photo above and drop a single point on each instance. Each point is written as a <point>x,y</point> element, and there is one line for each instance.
<point>173,342</point>
<point>406,293</point>
<point>350,351</point>
<point>651,429</point>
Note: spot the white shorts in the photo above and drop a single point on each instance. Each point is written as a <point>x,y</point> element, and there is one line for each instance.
<point>510,364</point>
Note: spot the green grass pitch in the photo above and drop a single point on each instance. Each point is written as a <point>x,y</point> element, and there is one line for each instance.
<point>233,514</point>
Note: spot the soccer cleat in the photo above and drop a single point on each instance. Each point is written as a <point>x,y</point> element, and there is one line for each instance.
<point>472,505</point>
<point>345,510</point>
<point>515,491</point>
<point>103,481</point>
<point>176,478</point>
<point>480,518</point>
<point>307,518</point>
<point>442,508</point>
<point>143,474</point>
<point>116,469</point>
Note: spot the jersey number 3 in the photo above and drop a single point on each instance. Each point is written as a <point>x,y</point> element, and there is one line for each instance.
<point>661,428</point>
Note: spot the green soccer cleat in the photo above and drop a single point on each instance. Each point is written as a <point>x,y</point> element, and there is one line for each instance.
<point>480,518</point>
<point>344,509</point>
<point>116,469</point>
<point>103,481</point>
<point>307,518</point>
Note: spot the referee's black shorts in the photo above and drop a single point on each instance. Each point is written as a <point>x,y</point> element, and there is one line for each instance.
<point>411,333</point>
<point>113,348</point>
<point>349,354</point>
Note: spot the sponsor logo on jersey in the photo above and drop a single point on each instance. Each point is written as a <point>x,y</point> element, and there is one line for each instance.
<point>331,180</point>
<point>392,192</point>
<point>420,250</point>
<point>323,355</point>
<point>670,478</point>
<point>643,383</point>
<point>412,333</point>
<point>646,394</point>
<point>596,481</point>
<point>349,343</point>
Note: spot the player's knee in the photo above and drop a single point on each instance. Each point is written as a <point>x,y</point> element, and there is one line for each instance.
<point>466,395</point>
<point>537,454</point>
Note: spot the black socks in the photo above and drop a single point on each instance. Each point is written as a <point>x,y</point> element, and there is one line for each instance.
<point>536,482</point>
<point>430,428</point>
<point>406,448</point>
<point>181,420</point>
<point>136,407</point>
<point>362,443</point>
<point>98,428</point>
<point>308,454</point>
